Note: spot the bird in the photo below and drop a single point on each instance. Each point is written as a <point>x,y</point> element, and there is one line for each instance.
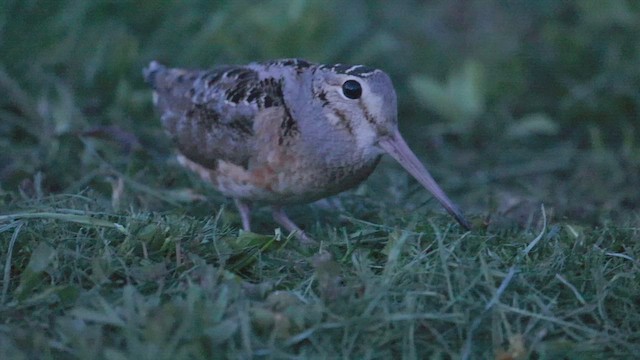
<point>284,131</point>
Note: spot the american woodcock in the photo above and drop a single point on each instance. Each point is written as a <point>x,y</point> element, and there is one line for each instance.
<point>285,131</point>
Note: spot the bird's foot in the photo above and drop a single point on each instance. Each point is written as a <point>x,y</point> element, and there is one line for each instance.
<point>283,219</point>
<point>245,214</point>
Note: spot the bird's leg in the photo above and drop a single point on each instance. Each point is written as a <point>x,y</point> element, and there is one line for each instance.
<point>245,213</point>
<point>281,218</point>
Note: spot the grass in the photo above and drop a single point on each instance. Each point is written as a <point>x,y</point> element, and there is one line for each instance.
<point>164,286</point>
<point>526,114</point>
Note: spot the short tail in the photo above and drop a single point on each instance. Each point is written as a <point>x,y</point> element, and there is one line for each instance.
<point>151,72</point>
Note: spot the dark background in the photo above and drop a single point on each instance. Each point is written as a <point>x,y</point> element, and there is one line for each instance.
<point>510,103</point>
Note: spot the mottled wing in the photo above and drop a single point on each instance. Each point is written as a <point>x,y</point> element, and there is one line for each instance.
<point>210,114</point>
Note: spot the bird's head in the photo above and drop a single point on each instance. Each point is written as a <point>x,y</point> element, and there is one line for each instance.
<point>362,101</point>
<point>358,99</point>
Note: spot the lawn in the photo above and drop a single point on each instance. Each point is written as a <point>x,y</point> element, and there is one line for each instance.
<point>527,114</point>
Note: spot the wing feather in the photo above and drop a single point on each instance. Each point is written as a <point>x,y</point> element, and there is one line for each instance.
<point>210,114</point>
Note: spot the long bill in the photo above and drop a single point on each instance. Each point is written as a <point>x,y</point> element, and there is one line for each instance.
<point>399,150</point>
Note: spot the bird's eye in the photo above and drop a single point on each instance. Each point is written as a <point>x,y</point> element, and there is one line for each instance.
<point>352,89</point>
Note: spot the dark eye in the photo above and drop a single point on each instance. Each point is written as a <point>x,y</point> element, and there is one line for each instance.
<point>352,89</point>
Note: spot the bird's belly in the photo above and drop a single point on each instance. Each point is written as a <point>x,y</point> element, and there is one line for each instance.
<point>288,185</point>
